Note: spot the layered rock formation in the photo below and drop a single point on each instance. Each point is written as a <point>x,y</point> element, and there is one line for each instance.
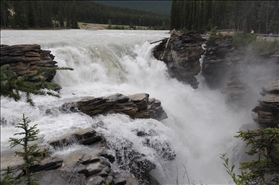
<point>136,106</point>
<point>267,111</point>
<point>181,53</point>
<point>27,59</point>
<point>89,166</point>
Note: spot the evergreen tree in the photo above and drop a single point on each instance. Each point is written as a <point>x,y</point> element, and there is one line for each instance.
<point>202,15</point>
<point>20,18</point>
<point>13,85</point>
<point>5,14</point>
<point>31,153</point>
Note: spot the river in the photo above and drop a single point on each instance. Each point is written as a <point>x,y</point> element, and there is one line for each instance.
<point>200,125</point>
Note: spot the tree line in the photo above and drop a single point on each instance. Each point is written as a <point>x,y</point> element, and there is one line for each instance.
<point>202,15</point>
<point>66,14</point>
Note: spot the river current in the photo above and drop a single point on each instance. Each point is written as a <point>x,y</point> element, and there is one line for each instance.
<point>200,125</point>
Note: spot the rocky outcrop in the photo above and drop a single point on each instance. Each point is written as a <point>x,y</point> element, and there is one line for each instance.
<point>215,63</point>
<point>89,166</point>
<point>267,111</point>
<point>238,73</point>
<point>136,106</point>
<point>181,53</point>
<point>27,59</point>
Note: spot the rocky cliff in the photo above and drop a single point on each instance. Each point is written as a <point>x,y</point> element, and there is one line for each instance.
<point>215,65</point>
<point>237,72</point>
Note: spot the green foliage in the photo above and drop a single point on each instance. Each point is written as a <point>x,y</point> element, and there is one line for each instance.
<point>9,179</point>
<point>12,84</point>
<point>47,14</point>
<point>249,44</point>
<point>31,153</point>
<point>109,24</point>
<point>243,39</point>
<point>264,47</point>
<point>213,34</point>
<point>237,179</point>
<point>201,15</point>
<point>264,144</point>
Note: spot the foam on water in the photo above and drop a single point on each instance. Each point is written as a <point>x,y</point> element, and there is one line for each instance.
<point>200,126</point>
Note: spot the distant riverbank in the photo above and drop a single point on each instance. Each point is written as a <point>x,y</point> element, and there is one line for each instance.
<point>93,26</point>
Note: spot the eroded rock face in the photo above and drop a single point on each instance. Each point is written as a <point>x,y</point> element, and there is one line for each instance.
<point>136,106</point>
<point>27,59</point>
<point>215,64</point>
<point>267,111</point>
<point>239,73</point>
<point>247,73</point>
<point>181,53</point>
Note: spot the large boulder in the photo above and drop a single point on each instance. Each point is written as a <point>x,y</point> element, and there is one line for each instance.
<point>27,59</point>
<point>181,53</point>
<point>136,106</point>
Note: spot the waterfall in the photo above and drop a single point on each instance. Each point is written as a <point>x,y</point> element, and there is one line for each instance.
<point>200,125</point>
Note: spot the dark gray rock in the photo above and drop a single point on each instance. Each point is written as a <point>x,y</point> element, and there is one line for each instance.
<point>60,177</point>
<point>86,136</point>
<point>267,111</point>
<point>48,163</point>
<point>215,62</point>
<point>136,106</point>
<point>181,53</point>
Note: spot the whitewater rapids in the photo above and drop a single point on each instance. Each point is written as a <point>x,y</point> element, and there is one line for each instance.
<point>200,125</point>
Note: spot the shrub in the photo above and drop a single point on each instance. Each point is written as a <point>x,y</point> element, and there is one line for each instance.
<point>243,39</point>
<point>264,144</point>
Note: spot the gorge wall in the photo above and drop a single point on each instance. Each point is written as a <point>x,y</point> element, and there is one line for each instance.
<point>239,73</point>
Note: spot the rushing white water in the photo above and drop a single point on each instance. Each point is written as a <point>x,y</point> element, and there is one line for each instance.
<point>200,126</point>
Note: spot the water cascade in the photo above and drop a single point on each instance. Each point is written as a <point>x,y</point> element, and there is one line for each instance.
<point>200,125</point>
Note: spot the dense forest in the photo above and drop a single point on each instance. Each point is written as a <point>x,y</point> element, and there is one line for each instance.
<point>65,14</point>
<point>158,6</point>
<point>201,15</point>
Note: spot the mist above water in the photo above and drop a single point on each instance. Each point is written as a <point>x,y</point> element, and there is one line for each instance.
<point>200,126</point>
